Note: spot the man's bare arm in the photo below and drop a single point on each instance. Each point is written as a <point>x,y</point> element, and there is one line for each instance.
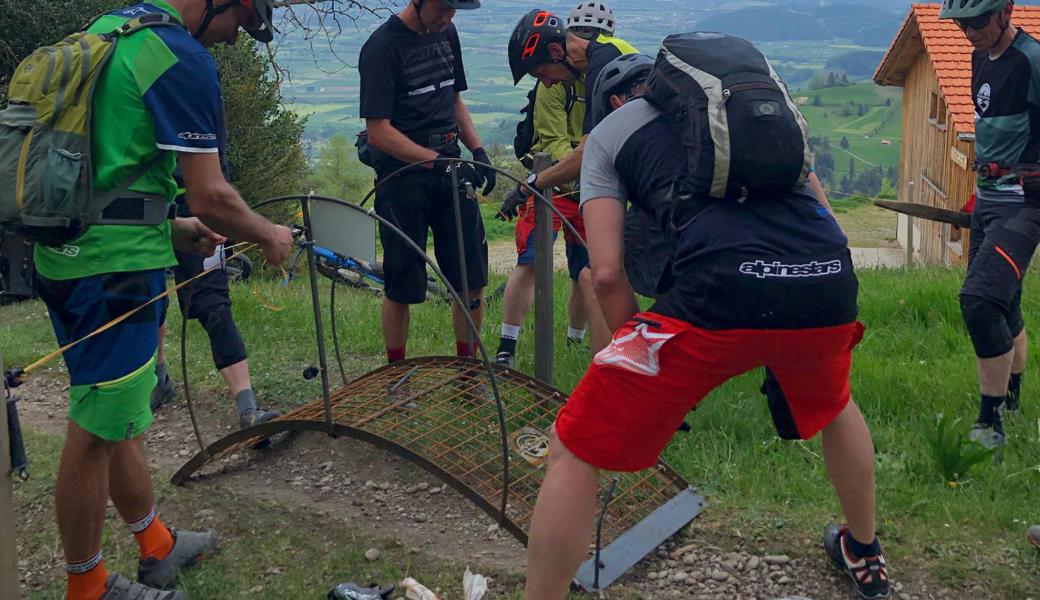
<point>565,171</point>
<point>604,228</point>
<point>390,140</point>
<point>217,204</point>
<point>817,188</point>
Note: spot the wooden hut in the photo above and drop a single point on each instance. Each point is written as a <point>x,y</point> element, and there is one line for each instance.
<point>931,60</point>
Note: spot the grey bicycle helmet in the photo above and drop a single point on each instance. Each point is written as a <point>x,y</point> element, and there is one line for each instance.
<point>592,15</point>
<point>964,9</point>
<point>617,77</point>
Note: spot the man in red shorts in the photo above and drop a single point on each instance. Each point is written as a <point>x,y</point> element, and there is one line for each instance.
<point>766,282</point>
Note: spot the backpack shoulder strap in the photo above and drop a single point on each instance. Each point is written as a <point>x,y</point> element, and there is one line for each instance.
<point>138,23</point>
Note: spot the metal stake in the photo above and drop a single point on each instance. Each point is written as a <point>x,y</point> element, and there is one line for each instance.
<point>312,269</point>
<point>543,282</point>
<point>8,543</point>
<point>460,241</point>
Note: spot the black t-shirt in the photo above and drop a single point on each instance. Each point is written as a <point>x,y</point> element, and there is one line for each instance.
<point>598,54</point>
<point>411,79</point>
<point>768,263</point>
<point>1006,93</point>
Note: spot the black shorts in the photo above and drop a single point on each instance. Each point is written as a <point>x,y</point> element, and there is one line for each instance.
<point>999,256</point>
<point>418,203</point>
<point>206,293</point>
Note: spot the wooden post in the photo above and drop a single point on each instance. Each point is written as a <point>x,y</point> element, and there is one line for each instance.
<point>8,542</point>
<point>910,230</point>
<point>543,281</point>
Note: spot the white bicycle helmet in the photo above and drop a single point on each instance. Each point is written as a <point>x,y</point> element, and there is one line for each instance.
<point>592,16</point>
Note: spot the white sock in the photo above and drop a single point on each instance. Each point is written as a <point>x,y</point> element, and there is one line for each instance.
<point>576,334</point>
<point>510,332</point>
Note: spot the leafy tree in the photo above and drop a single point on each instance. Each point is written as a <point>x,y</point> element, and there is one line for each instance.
<point>816,101</point>
<point>27,25</point>
<point>844,143</point>
<point>265,154</point>
<point>861,110</point>
<point>852,168</point>
<point>264,142</point>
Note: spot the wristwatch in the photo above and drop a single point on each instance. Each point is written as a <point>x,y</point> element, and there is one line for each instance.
<point>532,180</point>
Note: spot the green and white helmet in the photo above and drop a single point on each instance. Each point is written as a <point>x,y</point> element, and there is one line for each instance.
<point>965,9</point>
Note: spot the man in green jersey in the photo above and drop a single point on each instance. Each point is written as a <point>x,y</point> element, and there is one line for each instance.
<point>158,104</point>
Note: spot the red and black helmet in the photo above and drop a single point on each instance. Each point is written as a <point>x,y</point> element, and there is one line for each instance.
<point>529,44</point>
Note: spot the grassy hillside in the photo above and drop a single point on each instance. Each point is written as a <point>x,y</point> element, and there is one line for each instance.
<point>867,134</point>
<point>914,364</point>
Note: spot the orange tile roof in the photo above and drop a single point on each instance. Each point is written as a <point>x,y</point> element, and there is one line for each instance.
<point>950,53</point>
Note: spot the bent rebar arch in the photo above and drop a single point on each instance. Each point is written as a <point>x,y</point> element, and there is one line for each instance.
<point>442,419</point>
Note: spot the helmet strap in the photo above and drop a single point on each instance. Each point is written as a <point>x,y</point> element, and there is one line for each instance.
<point>1003,29</point>
<point>418,15</point>
<point>212,13</point>
<point>570,67</point>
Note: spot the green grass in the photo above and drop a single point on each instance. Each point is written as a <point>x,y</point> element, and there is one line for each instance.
<point>914,363</point>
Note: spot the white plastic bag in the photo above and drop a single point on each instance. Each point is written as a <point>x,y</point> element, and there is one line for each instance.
<point>473,586</point>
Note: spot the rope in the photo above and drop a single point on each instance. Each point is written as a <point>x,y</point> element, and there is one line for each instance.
<point>116,321</point>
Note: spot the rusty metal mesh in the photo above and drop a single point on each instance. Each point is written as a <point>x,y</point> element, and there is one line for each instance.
<point>443,410</point>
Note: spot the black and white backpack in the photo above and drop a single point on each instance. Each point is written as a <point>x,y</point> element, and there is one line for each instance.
<point>743,134</point>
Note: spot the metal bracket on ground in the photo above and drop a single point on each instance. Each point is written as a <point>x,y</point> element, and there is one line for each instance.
<point>628,549</point>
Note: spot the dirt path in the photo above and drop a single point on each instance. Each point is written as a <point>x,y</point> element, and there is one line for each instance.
<point>391,499</point>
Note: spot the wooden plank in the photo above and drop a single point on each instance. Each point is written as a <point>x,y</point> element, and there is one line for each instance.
<point>543,282</point>
<point>8,542</point>
<point>931,213</point>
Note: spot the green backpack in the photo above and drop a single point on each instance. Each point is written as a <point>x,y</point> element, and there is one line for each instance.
<point>46,171</point>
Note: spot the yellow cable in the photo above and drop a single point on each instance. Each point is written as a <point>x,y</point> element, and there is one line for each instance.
<point>116,321</point>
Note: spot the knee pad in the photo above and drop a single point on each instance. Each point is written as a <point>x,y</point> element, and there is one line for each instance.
<point>988,326</point>
<point>224,339</point>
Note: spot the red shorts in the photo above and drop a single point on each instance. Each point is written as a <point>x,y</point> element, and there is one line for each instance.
<point>566,205</point>
<point>639,389</point>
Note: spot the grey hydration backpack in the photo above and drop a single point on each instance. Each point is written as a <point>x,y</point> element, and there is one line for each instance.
<point>743,134</point>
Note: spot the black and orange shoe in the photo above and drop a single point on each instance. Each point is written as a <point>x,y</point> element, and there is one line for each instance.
<point>868,573</point>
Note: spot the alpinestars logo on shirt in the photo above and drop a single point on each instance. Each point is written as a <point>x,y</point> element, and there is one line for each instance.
<point>984,97</point>
<point>762,269</point>
<point>193,136</point>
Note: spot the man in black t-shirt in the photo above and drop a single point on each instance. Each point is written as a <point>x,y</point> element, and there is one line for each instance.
<point>1005,222</point>
<point>412,78</point>
<point>766,282</point>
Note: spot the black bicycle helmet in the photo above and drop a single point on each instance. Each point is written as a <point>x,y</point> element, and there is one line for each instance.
<point>529,43</point>
<point>264,10</point>
<point>462,4</point>
<point>616,77</point>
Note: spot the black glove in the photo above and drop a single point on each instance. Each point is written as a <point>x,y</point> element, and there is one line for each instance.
<point>481,156</point>
<point>511,205</point>
<point>466,171</point>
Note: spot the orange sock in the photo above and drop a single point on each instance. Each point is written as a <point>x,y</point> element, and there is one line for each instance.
<point>154,539</point>
<point>86,580</point>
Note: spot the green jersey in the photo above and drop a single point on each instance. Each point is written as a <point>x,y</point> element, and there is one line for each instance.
<point>158,95</point>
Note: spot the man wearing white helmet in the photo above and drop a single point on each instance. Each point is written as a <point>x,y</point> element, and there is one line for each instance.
<point>590,19</point>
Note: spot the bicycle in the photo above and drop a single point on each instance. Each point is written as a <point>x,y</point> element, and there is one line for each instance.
<point>352,272</point>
